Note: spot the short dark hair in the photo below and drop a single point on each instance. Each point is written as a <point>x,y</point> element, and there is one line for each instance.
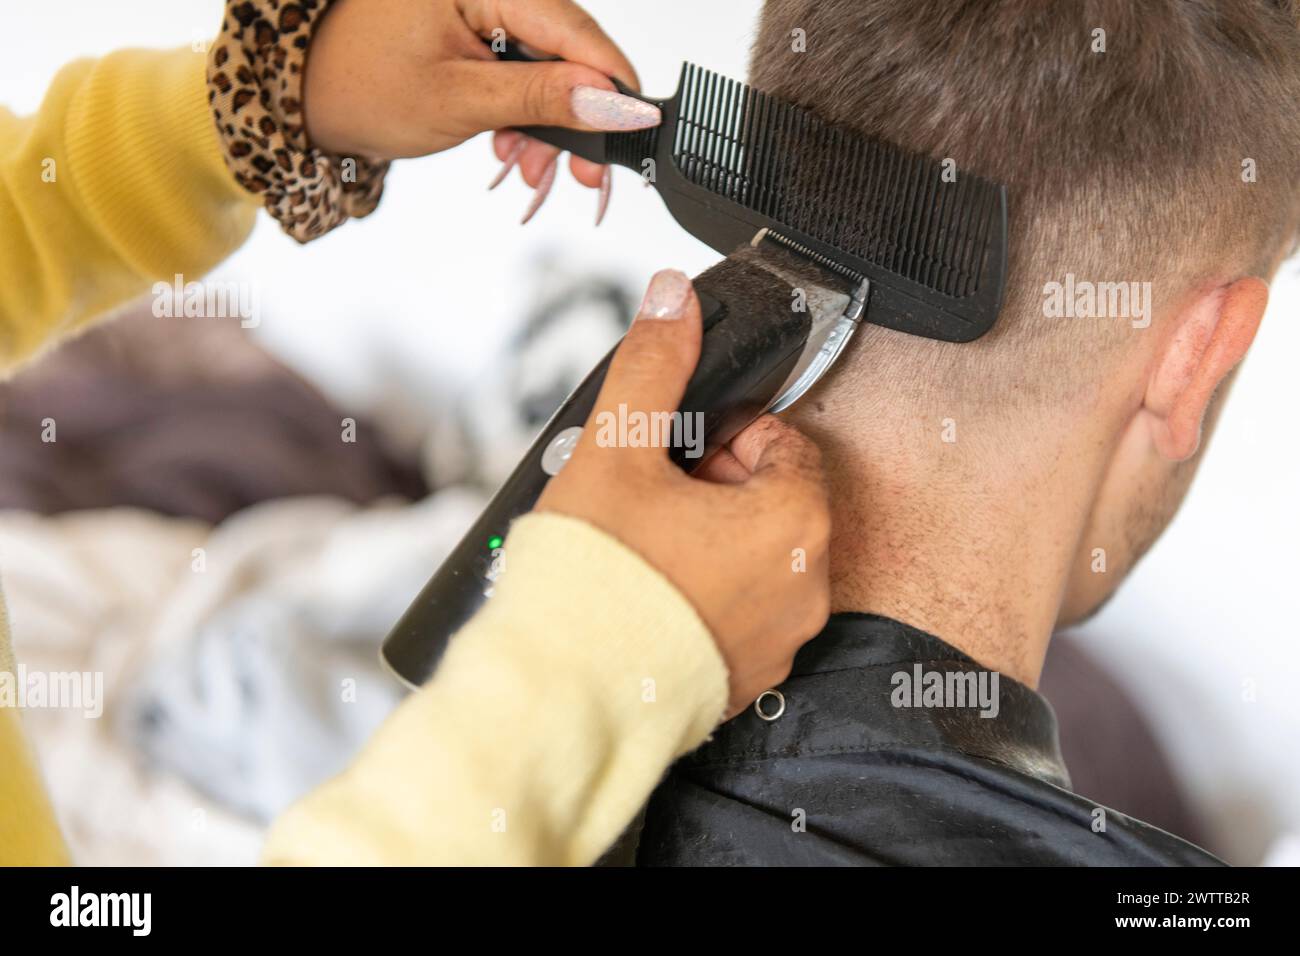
<point>1126,151</point>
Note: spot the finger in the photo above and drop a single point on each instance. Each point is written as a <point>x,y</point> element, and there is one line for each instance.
<point>543,190</point>
<point>776,452</point>
<point>651,367</point>
<point>556,26</point>
<point>532,156</point>
<point>606,183</point>
<point>722,468</point>
<point>533,159</point>
<point>509,147</point>
<point>491,95</point>
<point>595,176</point>
<point>536,158</point>
<point>586,172</point>
<point>598,177</point>
<point>506,141</point>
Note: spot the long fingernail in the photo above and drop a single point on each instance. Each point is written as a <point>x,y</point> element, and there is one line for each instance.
<point>666,297</point>
<point>606,182</point>
<point>543,190</point>
<point>607,110</point>
<point>512,160</point>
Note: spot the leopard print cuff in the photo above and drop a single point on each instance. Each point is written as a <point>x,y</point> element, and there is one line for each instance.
<point>255,73</point>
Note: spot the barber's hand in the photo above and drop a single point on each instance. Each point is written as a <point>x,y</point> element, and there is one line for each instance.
<point>396,78</point>
<point>732,544</point>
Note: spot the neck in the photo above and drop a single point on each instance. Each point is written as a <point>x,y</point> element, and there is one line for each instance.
<point>929,537</point>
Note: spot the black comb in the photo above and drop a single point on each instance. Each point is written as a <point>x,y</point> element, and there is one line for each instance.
<point>730,161</point>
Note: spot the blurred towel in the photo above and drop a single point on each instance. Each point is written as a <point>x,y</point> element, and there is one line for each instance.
<point>241,662</point>
<point>269,679</point>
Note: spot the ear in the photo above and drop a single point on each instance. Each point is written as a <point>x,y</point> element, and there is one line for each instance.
<point>1212,336</point>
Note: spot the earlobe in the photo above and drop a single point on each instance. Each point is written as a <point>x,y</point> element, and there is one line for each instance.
<point>1214,335</point>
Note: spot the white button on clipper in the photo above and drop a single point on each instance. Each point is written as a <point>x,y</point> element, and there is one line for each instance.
<point>560,450</point>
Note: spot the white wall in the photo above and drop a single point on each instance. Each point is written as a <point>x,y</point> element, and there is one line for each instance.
<point>415,296</point>
<point>1206,631</point>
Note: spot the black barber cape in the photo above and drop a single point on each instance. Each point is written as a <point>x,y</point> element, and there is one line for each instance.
<point>882,757</point>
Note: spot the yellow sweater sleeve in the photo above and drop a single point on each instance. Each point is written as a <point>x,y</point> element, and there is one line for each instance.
<point>29,835</point>
<point>553,715</point>
<point>116,183</point>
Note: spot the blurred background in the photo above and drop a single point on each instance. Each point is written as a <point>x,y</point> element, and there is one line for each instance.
<point>206,540</point>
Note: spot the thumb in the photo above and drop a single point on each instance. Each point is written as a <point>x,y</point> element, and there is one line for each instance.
<point>495,94</point>
<point>782,460</point>
<point>653,364</point>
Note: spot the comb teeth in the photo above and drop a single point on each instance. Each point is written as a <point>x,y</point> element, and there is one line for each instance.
<point>888,207</point>
<point>632,149</point>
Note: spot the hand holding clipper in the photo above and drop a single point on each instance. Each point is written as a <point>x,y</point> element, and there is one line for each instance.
<point>760,586</point>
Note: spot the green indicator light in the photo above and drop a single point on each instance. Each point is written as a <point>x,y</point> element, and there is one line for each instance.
<point>494,542</point>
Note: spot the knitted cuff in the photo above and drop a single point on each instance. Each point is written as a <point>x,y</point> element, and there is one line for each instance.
<point>255,73</point>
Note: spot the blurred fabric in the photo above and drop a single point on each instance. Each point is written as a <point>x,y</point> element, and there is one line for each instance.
<point>185,417</point>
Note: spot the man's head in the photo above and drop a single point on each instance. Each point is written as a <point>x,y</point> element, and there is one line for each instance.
<point>1154,145</point>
